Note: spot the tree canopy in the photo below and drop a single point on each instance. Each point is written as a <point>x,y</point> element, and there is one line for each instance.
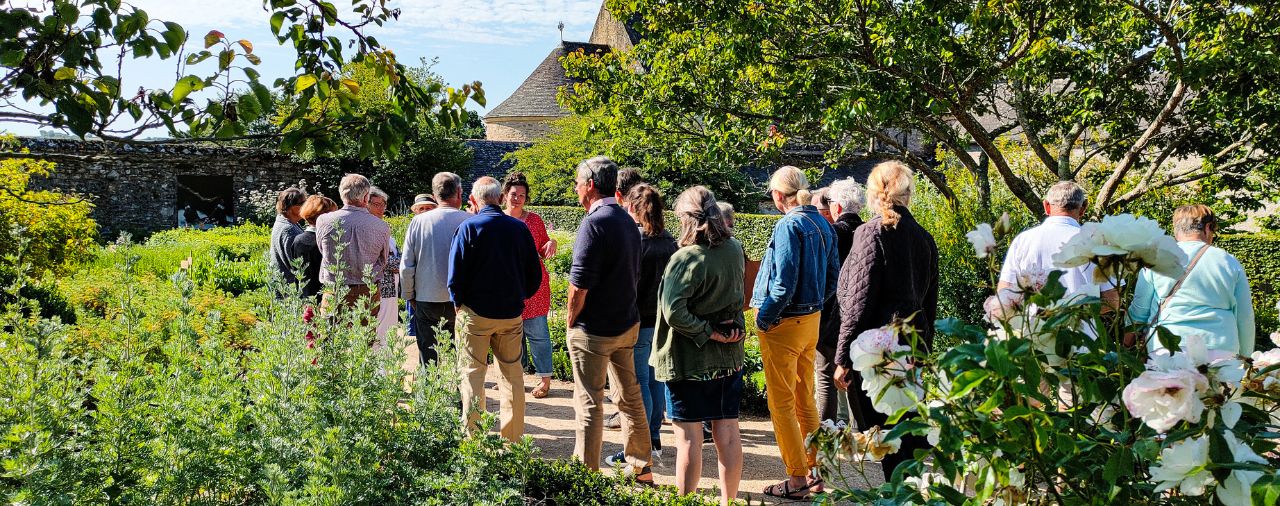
<point>1131,96</point>
<point>67,53</point>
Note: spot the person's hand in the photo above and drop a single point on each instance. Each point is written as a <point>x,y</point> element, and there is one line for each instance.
<point>841,378</point>
<point>734,336</point>
<point>549,249</point>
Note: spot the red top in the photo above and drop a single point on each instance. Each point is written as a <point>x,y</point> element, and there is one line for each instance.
<point>540,303</point>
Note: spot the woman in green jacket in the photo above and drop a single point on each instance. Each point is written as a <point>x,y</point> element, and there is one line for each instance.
<point>697,347</point>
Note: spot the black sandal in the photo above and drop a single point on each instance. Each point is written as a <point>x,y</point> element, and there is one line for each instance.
<point>783,490</point>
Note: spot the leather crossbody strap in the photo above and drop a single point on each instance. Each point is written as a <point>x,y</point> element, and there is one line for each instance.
<point>1169,296</point>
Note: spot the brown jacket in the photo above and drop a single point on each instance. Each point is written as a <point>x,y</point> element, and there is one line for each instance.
<point>890,273</point>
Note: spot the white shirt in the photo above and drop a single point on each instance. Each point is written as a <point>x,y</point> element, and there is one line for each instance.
<point>1031,256</point>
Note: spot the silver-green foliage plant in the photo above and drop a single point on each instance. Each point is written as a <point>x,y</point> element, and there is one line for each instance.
<point>309,414</point>
<point>1051,400</point>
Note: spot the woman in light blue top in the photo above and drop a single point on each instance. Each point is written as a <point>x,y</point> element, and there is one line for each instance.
<point>1213,300</point>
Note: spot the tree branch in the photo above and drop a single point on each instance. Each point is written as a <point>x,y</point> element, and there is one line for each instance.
<point>1131,156</point>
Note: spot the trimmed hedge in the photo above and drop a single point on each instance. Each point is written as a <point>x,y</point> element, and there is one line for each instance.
<point>752,229</point>
<point>1260,256</point>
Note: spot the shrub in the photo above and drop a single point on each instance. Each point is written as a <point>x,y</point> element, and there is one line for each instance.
<point>1038,410</point>
<point>1260,256</point>
<point>56,229</point>
<point>161,409</point>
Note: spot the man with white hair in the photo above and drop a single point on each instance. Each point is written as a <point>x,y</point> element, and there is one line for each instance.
<point>493,267</point>
<point>424,263</point>
<point>363,239</point>
<point>1030,257</point>
<point>844,199</point>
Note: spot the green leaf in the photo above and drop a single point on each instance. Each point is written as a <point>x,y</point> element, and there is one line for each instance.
<point>195,58</point>
<point>967,381</point>
<point>175,35</point>
<point>253,58</point>
<point>1168,340</point>
<point>212,38</point>
<point>277,20</point>
<point>1119,465</point>
<point>263,95</point>
<point>225,58</point>
<point>185,86</point>
<point>64,73</point>
<point>251,74</point>
<point>249,108</point>
<point>303,82</point>
<point>998,358</point>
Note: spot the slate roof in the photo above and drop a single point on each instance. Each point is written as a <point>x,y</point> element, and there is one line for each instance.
<point>487,159</point>
<point>536,96</point>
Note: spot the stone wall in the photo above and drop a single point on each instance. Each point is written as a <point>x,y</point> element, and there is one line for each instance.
<point>136,188</point>
<point>525,129</point>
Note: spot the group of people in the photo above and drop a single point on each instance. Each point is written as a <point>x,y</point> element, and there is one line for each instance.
<point>657,317</point>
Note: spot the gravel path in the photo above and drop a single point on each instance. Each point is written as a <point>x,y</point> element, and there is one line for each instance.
<point>550,421</point>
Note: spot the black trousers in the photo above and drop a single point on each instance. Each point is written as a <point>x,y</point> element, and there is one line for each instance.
<point>426,317</point>
<point>828,394</point>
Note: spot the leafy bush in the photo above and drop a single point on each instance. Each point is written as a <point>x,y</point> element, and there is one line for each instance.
<point>1260,256</point>
<point>1039,411</point>
<point>163,410</point>
<point>56,229</point>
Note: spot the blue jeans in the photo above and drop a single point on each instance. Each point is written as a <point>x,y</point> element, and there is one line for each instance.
<point>539,336</point>
<point>653,392</point>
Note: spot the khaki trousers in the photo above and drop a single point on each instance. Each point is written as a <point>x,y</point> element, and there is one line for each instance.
<point>593,358</point>
<point>478,335</point>
<point>787,351</point>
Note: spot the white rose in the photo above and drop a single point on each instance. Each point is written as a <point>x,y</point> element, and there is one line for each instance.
<point>892,398</point>
<point>1162,399</point>
<point>1003,305</point>
<point>1275,337</point>
<point>1238,487</point>
<point>1183,466</point>
<point>983,240</point>
<point>1265,359</point>
<point>870,348</point>
<point>1237,490</point>
<point>1078,250</point>
<point>1033,279</point>
<point>924,481</point>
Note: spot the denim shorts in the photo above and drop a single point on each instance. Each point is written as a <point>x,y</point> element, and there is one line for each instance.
<point>699,401</point>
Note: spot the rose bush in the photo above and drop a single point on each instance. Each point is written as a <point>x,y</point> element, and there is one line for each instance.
<point>1044,403</point>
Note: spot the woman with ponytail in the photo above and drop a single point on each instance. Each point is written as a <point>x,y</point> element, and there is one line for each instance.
<point>890,274</point>
<point>698,346</point>
<point>797,275</point>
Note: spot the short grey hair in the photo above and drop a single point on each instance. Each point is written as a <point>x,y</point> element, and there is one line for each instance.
<point>354,188</point>
<point>487,190</point>
<point>446,185</point>
<point>1065,195</point>
<point>602,171</point>
<point>849,195</point>
<point>374,191</point>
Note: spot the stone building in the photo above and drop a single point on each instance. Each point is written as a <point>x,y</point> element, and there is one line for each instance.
<point>528,113</point>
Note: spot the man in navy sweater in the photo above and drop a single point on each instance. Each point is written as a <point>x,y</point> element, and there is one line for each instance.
<point>603,320</point>
<point>493,268</point>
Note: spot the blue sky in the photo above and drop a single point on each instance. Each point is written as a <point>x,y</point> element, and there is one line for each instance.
<point>497,42</point>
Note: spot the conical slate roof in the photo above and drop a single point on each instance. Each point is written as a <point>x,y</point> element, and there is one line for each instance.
<point>536,96</point>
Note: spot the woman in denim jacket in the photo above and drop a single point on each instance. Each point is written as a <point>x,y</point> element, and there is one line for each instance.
<point>797,275</point>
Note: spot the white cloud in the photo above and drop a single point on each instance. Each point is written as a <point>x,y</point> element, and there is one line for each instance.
<point>506,22</point>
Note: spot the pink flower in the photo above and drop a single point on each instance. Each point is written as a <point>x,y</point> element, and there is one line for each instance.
<point>1164,398</point>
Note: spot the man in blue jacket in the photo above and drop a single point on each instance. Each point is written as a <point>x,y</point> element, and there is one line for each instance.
<point>493,268</point>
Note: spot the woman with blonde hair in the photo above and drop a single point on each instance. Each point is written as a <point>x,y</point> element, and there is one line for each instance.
<point>890,274</point>
<point>697,347</point>
<point>797,275</point>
